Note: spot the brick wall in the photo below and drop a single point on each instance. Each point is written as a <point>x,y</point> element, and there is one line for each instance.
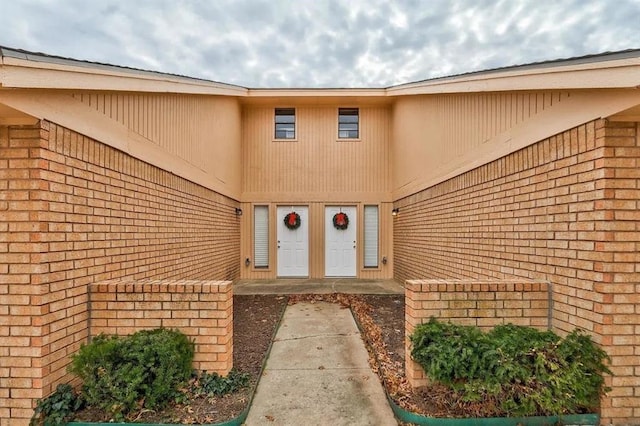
<point>75,212</point>
<point>564,210</point>
<point>483,303</point>
<point>203,310</point>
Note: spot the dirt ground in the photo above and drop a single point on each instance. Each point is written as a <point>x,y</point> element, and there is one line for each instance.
<point>381,320</point>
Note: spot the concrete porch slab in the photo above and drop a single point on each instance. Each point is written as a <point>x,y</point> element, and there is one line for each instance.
<point>317,286</point>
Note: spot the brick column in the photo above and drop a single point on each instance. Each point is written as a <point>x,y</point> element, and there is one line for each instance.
<point>616,316</point>
<point>24,241</point>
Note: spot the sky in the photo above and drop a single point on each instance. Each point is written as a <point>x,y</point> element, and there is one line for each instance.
<point>319,43</point>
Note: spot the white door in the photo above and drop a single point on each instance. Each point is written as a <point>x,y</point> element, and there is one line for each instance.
<point>293,244</point>
<point>340,244</point>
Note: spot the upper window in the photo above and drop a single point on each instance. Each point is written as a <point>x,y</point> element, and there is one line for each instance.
<point>285,120</point>
<point>348,123</point>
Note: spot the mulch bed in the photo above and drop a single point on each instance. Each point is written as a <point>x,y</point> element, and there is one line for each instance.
<point>381,319</point>
<point>254,320</point>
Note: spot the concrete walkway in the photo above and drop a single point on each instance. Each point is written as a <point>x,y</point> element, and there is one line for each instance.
<point>318,373</point>
<point>317,286</point>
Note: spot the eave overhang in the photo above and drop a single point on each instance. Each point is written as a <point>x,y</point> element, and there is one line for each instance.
<point>27,70</point>
<point>611,74</point>
<point>21,70</point>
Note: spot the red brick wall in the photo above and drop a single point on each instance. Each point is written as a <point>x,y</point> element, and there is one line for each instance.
<point>483,303</point>
<point>564,210</point>
<point>203,310</point>
<point>75,212</point>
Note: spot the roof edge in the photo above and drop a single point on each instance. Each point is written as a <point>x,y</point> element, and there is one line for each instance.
<point>568,73</point>
<point>540,65</point>
<point>11,57</point>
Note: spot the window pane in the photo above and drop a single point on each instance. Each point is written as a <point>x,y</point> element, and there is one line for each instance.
<point>285,118</point>
<point>370,236</point>
<point>348,134</point>
<point>261,236</point>
<point>285,111</point>
<point>348,119</point>
<point>285,127</point>
<point>348,126</point>
<point>285,135</point>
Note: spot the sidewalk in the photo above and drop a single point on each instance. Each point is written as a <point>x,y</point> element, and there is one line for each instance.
<point>318,373</point>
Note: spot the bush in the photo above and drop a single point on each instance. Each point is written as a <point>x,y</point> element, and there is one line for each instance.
<point>58,408</point>
<point>530,372</point>
<point>145,369</point>
<point>212,384</point>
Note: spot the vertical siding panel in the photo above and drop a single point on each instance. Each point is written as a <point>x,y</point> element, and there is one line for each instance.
<point>431,132</point>
<point>201,130</point>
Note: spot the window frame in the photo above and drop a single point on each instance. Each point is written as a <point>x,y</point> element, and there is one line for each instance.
<point>348,112</point>
<point>292,113</point>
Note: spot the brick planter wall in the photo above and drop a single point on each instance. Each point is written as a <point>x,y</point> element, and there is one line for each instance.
<point>483,303</point>
<point>203,310</point>
<point>75,212</point>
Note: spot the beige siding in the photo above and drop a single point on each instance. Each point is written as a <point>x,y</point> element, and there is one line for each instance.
<point>317,166</point>
<point>434,135</point>
<point>316,170</point>
<point>204,131</point>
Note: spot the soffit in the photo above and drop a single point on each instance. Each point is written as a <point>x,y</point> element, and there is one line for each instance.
<point>13,117</point>
<point>629,114</point>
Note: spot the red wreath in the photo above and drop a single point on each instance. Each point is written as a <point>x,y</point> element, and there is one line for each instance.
<point>341,221</point>
<point>292,220</point>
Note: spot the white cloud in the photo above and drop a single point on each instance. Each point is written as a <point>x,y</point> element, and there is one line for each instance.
<point>331,43</point>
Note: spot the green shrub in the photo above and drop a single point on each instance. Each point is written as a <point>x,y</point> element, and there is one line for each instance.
<point>531,372</point>
<point>58,408</point>
<point>145,369</point>
<point>213,384</point>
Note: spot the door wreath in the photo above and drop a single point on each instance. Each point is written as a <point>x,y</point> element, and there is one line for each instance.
<point>340,221</point>
<point>292,220</point>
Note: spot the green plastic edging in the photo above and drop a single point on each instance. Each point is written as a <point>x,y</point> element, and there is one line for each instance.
<point>418,419</point>
<point>237,421</point>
